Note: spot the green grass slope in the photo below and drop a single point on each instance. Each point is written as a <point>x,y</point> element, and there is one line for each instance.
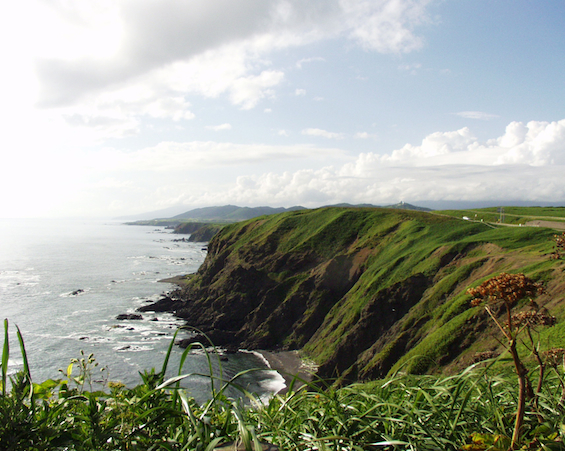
<point>363,291</point>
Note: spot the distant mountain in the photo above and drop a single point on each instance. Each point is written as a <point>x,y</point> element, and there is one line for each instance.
<point>346,205</point>
<point>232,213</point>
<point>405,206</point>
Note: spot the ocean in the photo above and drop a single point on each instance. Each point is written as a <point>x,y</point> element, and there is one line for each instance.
<point>64,282</point>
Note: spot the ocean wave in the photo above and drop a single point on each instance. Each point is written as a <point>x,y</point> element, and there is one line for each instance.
<point>132,348</point>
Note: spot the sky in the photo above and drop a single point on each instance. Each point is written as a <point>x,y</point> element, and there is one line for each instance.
<point>119,107</point>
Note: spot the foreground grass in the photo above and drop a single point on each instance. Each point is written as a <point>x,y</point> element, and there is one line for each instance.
<point>473,410</point>
<point>423,413</point>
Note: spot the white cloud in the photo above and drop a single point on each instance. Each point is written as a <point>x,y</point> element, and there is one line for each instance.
<point>364,135</point>
<point>300,92</point>
<point>248,91</point>
<point>525,163</point>
<point>175,108</point>
<point>115,68</point>
<point>434,145</point>
<point>477,115</point>
<point>148,37</point>
<point>217,128</point>
<point>535,143</point>
<point>322,133</point>
<point>411,68</point>
<point>309,60</point>
<point>385,26</point>
<point>177,157</point>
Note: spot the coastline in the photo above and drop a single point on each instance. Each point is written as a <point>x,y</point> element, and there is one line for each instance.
<point>290,366</point>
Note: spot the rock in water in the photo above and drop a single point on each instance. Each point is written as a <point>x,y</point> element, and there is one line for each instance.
<point>125,316</point>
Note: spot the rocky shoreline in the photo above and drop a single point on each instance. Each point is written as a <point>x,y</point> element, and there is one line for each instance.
<point>295,371</point>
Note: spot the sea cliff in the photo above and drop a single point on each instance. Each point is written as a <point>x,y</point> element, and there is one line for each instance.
<point>361,291</point>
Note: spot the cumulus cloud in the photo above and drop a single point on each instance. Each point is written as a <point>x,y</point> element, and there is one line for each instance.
<point>151,37</point>
<point>535,143</point>
<point>322,133</point>
<point>300,92</point>
<point>435,145</point>
<point>525,163</point>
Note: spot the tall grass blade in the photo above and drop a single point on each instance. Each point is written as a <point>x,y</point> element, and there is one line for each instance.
<point>24,353</point>
<point>27,371</point>
<point>167,357</point>
<point>5,356</point>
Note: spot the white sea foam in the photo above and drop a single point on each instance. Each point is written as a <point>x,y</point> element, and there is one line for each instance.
<point>274,382</point>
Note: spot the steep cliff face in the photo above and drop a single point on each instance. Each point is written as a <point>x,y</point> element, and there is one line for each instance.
<point>362,291</point>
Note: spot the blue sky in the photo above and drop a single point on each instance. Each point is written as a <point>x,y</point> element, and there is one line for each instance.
<point>119,107</point>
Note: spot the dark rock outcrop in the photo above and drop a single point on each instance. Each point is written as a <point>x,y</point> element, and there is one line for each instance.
<point>165,304</point>
<point>129,316</point>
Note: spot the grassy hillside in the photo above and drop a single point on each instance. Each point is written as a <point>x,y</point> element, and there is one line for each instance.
<point>364,291</point>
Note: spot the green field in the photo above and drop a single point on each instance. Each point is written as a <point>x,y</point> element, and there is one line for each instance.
<point>510,215</point>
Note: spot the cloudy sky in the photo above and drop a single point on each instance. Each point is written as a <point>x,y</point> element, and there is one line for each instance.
<point>117,107</point>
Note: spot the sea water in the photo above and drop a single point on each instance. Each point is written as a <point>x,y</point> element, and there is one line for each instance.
<point>63,283</point>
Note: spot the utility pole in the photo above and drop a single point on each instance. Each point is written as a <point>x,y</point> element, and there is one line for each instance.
<point>501,218</point>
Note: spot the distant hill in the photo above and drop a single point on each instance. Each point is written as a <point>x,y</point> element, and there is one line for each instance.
<point>405,206</point>
<point>346,205</point>
<point>232,213</point>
